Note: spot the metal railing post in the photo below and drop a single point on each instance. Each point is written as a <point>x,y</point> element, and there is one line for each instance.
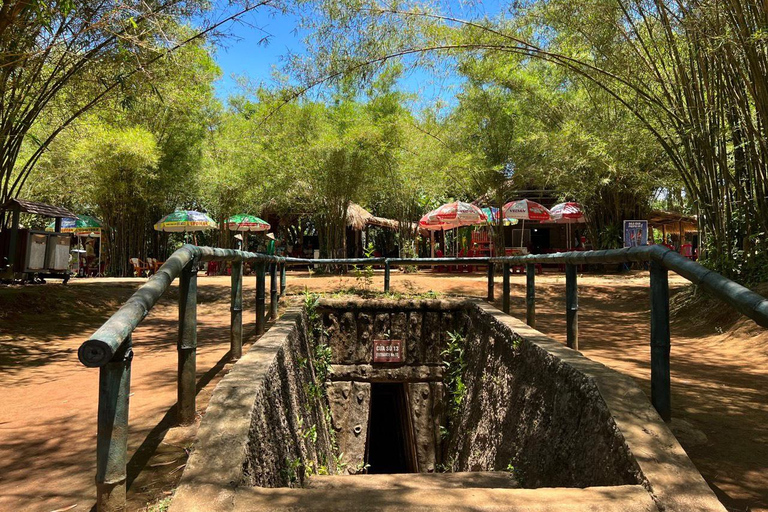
<point>236,309</point>
<point>273,291</point>
<point>530,294</point>
<point>571,307</point>
<point>505,288</point>
<point>260,297</point>
<point>386,276</point>
<point>187,344</point>
<point>112,430</point>
<point>282,280</point>
<point>491,272</point>
<point>660,341</point>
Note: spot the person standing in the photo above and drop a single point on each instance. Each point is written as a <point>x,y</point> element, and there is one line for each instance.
<point>90,255</point>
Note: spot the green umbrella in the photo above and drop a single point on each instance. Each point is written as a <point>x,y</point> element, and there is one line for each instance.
<point>246,222</point>
<point>82,225</point>
<point>185,221</point>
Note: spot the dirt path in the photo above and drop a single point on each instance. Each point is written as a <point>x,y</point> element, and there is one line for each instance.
<point>48,417</point>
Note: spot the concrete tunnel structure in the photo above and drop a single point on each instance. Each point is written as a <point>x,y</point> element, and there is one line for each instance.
<point>308,420</point>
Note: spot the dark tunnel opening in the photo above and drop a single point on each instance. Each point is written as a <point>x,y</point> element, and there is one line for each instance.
<point>390,447</point>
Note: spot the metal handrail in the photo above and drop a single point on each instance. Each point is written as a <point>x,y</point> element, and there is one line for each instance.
<point>99,349</point>
<point>110,347</point>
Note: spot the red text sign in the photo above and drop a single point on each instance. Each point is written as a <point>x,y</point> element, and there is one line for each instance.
<point>387,351</point>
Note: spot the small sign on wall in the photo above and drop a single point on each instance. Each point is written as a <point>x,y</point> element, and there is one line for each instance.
<point>387,351</point>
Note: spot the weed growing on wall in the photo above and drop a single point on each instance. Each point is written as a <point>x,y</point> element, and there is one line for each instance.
<point>455,366</point>
<point>319,364</point>
<point>364,275</point>
<point>454,362</point>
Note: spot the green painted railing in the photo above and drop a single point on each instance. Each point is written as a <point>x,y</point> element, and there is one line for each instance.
<point>110,347</point>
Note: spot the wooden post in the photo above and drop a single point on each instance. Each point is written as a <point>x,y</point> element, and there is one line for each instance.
<point>386,276</point>
<point>505,288</point>
<point>187,344</point>
<point>273,291</point>
<point>236,309</point>
<point>660,341</point>
<point>491,276</point>
<point>282,280</point>
<point>530,294</point>
<point>571,307</point>
<point>112,430</point>
<point>260,297</point>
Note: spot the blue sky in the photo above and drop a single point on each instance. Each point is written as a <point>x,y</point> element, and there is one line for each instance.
<point>245,53</point>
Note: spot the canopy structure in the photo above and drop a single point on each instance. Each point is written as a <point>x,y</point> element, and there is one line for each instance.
<point>247,222</point>
<point>185,221</point>
<point>430,222</point>
<point>358,218</point>
<point>46,210</point>
<point>83,225</point>
<point>525,209</point>
<point>459,213</point>
<point>567,213</point>
<point>451,216</point>
<point>673,221</point>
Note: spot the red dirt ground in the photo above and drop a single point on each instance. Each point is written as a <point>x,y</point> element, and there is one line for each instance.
<point>48,415</point>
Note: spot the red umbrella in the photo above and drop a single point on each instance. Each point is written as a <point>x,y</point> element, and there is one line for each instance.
<point>567,213</point>
<point>452,215</point>
<point>430,222</point>
<point>459,213</point>
<point>525,209</point>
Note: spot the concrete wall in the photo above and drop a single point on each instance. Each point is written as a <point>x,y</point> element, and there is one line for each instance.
<point>289,432</point>
<point>550,409</point>
<point>350,326</point>
<point>527,409</point>
<point>257,421</point>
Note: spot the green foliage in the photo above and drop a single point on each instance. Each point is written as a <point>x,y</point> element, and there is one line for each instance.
<point>161,506</point>
<point>455,367</point>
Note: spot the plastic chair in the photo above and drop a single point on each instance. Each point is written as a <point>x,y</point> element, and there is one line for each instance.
<point>140,268</point>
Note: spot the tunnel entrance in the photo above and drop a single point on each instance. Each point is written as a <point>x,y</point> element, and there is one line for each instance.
<point>390,447</point>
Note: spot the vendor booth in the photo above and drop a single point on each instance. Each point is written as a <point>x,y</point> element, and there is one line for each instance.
<point>30,255</point>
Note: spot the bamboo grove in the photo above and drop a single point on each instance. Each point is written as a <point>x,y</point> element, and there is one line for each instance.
<point>623,105</point>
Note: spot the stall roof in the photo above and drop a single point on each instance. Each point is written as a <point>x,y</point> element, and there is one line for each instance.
<point>43,209</point>
<point>358,218</point>
<point>660,217</point>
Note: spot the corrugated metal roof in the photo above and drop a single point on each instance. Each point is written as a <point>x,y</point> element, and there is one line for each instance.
<point>43,209</point>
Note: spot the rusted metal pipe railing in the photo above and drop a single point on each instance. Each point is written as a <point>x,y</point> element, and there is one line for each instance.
<point>273,296</point>
<point>660,341</point>
<point>110,349</point>
<point>261,283</point>
<point>236,308</point>
<point>571,307</point>
<point>187,344</point>
<point>110,346</point>
<point>505,287</point>
<point>491,283</point>
<point>112,435</point>
<point>530,294</point>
